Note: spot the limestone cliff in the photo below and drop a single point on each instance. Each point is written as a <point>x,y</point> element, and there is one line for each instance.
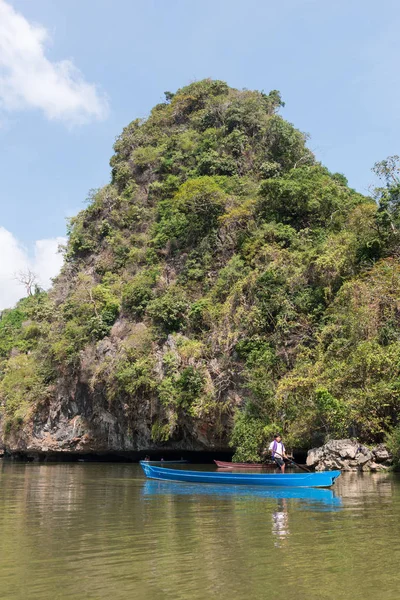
<point>224,284</point>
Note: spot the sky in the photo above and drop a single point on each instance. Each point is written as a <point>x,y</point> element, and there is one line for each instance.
<point>73,73</point>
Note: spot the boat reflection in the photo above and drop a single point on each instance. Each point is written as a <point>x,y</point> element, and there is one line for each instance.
<point>315,498</point>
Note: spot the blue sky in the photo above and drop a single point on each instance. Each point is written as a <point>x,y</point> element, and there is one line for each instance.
<point>335,63</point>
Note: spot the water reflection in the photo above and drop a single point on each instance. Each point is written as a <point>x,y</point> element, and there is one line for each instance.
<point>280,522</point>
<point>358,488</point>
<point>312,496</point>
<point>103,531</point>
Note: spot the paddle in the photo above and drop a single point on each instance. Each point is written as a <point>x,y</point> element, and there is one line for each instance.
<point>294,463</point>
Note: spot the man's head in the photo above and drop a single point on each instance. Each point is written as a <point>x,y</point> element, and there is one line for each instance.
<point>278,437</point>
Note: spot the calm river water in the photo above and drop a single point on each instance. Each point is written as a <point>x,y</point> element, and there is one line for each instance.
<point>101,531</point>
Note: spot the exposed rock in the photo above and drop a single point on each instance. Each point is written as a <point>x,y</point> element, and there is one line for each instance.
<point>381,454</point>
<point>342,448</point>
<point>349,455</point>
<point>80,421</point>
<point>314,456</point>
<point>373,466</point>
<point>362,458</point>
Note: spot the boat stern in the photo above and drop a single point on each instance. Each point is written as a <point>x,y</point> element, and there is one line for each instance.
<point>335,475</point>
<point>323,479</point>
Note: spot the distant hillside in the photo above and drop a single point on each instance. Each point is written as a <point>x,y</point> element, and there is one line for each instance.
<point>223,285</point>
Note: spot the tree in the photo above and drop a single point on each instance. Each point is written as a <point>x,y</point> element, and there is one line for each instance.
<point>29,280</point>
<point>388,199</point>
<point>389,170</point>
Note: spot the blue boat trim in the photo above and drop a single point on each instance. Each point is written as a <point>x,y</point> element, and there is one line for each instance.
<point>167,462</point>
<point>320,479</point>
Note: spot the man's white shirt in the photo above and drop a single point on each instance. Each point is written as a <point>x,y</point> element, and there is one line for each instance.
<point>279,449</point>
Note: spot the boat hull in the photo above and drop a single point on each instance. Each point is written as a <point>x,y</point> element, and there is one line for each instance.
<point>320,479</point>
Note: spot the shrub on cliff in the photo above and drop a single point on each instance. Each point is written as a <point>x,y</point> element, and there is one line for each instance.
<point>191,213</point>
<point>138,292</point>
<point>169,310</point>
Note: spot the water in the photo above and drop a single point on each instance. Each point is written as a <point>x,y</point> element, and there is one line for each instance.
<point>101,531</point>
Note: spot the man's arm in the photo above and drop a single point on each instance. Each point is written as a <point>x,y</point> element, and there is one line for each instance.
<point>267,452</point>
<point>286,455</point>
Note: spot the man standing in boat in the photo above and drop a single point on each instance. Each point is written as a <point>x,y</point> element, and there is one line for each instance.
<point>278,452</point>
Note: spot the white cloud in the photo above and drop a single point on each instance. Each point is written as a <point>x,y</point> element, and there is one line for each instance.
<point>45,263</point>
<point>30,80</point>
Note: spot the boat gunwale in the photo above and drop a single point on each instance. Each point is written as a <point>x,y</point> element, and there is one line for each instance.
<point>157,463</point>
<point>230,465</point>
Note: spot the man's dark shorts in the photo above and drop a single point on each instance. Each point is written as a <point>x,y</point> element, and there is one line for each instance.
<point>279,461</point>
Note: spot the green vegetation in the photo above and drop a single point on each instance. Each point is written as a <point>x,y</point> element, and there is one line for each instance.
<point>223,282</point>
<point>393,445</point>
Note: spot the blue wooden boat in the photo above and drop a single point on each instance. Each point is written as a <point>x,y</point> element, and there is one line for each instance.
<point>320,479</point>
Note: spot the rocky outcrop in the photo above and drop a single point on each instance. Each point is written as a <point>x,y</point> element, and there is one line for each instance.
<point>77,421</point>
<point>78,418</point>
<point>349,455</point>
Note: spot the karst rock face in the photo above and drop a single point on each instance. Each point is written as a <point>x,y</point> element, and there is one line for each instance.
<point>349,455</point>
<point>223,286</point>
<point>74,421</point>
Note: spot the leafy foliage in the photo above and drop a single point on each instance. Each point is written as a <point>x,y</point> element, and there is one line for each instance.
<point>168,310</point>
<point>138,292</point>
<point>21,389</point>
<point>393,445</point>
